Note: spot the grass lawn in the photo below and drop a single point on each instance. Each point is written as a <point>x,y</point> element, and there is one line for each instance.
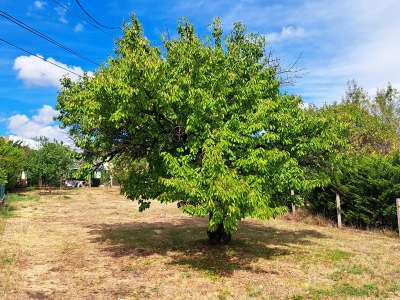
<point>94,244</point>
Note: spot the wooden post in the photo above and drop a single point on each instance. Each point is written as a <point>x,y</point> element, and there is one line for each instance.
<point>338,210</point>
<point>398,212</point>
<point>293,206</point>
<point>90,180</point>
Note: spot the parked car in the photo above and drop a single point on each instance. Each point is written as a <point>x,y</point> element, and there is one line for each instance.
<point>75,183</point>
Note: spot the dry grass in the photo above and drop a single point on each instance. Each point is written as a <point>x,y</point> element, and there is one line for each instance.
<point>94,244</point>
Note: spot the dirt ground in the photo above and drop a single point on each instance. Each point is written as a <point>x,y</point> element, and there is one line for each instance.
<point>94,244</point>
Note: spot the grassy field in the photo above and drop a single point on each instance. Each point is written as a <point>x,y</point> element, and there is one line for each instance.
<point>94,244</point>
<point>13,201</point>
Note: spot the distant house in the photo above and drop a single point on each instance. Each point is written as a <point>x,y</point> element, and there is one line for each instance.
<point>30,143</point>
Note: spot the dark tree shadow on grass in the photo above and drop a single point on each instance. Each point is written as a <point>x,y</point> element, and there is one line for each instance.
<point>185,242</point>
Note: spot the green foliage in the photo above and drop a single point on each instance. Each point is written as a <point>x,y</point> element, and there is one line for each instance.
<point>51,163</point>
<point>202,122</point>
<point>83,172</point>
<point>368,189</point>
<point>12,157</point>
<point>372,124</point>
<point>3,177</point>
<point>368,172</point>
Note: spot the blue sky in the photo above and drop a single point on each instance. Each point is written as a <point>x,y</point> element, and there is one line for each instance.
<point>335,40</point>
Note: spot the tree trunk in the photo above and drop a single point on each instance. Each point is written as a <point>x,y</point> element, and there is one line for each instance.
<point>219,236</point>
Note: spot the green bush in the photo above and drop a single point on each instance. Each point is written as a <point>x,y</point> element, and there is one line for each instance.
<point>12,157</point>
<point>368,188</point>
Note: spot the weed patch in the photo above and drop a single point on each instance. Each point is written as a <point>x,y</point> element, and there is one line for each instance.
<point>253,291</point>
<point>345,271</point>
<point>224,294</point>
<point>346,290</point>
<point>335,255</point>
<point>7,261</point>
<point>22,197</point>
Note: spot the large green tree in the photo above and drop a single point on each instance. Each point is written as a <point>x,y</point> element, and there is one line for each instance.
<point>200,121</point>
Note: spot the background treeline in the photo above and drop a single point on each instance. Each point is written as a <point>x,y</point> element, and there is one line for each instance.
<point>51,163</point>
<point>368,175</point>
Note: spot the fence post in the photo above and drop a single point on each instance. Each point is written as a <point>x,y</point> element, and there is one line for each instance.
<point>293,206</point>
<point>398,213</point>
<point>338,211</point>
<point>90,180</point>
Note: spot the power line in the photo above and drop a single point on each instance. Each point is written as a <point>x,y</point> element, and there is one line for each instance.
<point>64,6</point>
<point>44,36</point>
<point>92,18</point>
<point>38,56</point>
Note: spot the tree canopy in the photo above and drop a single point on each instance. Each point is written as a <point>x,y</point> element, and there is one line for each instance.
<point>201,121</point>
<point>371,124</point>
<point>50,163</point>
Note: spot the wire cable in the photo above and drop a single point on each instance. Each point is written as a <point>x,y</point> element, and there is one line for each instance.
<point>44,36</point>
<point>39,57</point>
<point>92,18</point>
<point>67,8</point>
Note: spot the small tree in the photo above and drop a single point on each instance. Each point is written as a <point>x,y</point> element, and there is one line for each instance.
<point>202,122</point>
<point>12,157</point>
<point>51,163</point>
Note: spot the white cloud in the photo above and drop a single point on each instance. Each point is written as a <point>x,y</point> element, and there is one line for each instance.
<point>17,121</point>
<point>36,72</point>
<point>287,33</point>
<point>364,46</point>
<point>39,4</point>
<point>40,125</point>
<point>355,39</point>
<point>78,27</point>
<point>61,12</point>
<point>45,115</point>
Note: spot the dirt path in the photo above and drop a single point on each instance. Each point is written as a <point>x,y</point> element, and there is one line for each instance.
<point>93,244</point>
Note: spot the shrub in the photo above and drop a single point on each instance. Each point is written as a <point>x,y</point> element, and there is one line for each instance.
<point>368,188</point>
